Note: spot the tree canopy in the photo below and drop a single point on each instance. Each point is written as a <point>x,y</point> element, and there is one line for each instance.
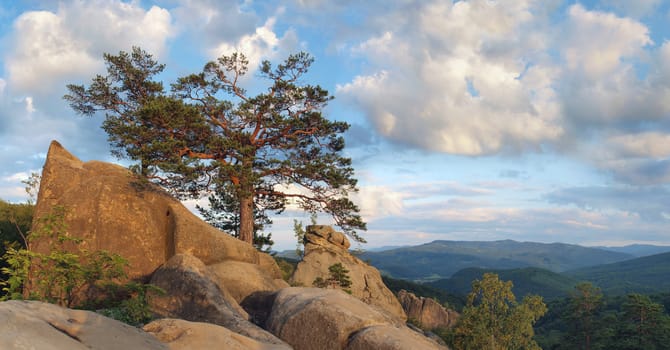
<point>492,318</point>
<point>209,135</point>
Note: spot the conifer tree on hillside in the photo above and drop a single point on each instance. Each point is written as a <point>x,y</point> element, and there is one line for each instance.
<point>493,319</point>
<point>644,324</point>
<point>586,303</point>
<point>209,135</point>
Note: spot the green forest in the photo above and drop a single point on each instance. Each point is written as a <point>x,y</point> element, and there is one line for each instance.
<point>584,317</point>
<point>15,221</point>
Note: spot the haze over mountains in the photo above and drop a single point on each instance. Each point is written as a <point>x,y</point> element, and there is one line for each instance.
<point>645,275</point>
<point>550,270</point>
<point>442,259</point>
<point>639,250</point>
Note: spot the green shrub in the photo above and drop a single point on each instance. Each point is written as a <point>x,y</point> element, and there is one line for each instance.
<point>338,278</point>
<point>65,272</point>
<point>71,276</point>
<point>133,305</point>
<point>286,266</point>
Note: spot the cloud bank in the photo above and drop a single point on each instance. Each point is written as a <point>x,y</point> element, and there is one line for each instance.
<point>431,87</point>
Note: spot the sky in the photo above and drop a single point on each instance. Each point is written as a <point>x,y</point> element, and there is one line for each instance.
<point>545,121</point>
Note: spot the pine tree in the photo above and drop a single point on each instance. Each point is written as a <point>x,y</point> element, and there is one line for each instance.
<point>275,147</point>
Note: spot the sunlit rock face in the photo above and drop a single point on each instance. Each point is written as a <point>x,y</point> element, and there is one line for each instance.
<point>112,209</point>
<point>325,247</point>
<point>426,311</point>
<point>330,319</point>
<point>37,325</point>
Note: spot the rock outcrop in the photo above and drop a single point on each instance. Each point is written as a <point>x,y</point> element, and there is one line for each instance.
<point>205,272</point>
<point>314,318</point>
<point>206,275</point>
<point>192,295</point>
<point>325,247</point>
<point>391,338</point>
<point>242,279</point>
<point>112,209</point>
<point>185,335</point>
<point>427,312</point>
<point>37,325</point>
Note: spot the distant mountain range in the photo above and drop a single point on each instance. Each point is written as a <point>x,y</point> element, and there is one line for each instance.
<point>549,270</point>
<point>529,280</point>
<point>649,274</point>
<point>442,259</point>
<point>646,275</point>
<point>639,250</point>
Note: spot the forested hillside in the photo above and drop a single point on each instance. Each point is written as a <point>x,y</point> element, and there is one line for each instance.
<point>530,280</point>
<point>650,274</point>
<point>639,250</point>
<point>442,259</point>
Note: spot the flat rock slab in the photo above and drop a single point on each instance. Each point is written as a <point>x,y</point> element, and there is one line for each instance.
<point>185,335</point>
<point>390,338</point>
<point>37,325</point>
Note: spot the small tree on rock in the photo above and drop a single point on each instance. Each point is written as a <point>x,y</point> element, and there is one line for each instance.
<point>338,277</point>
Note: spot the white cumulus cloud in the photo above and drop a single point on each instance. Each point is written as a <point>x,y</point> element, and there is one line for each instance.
<point>460,78</point>
<point>50,46</point>
<point>481,77</point>
<point>598,42</point>
<point>262,44</point>
<point>651,144</point>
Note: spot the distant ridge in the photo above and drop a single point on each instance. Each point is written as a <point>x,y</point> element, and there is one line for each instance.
<point>649,274</point>
<point>527,280</point>
<point>639,250</point>
<point>441,259</point>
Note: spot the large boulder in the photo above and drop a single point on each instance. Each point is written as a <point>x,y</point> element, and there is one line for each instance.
<point>192,294</point>
<point>315,318</point>
<point>244,279</point>
<point>390,338</point>
<point>113,209</point>
<point>185,335</point>
<point>428,313</point>
<point>37,325</point>
<point>325,247</point>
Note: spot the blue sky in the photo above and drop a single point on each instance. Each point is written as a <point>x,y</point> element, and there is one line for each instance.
<point>471,120</point>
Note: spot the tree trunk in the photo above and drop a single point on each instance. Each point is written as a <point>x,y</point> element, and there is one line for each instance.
<point>247,218</point>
